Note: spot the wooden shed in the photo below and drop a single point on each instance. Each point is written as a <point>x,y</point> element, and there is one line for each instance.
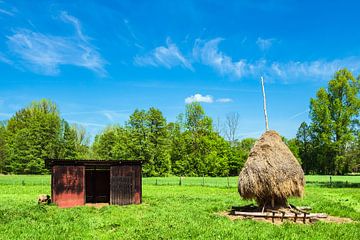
<point>77,182</point>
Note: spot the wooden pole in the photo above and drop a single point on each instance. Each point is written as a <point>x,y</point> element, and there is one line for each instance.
<point>264,97</point>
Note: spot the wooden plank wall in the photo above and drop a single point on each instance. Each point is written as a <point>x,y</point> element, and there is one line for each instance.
<point>125,184</point>
<point>68,185</point>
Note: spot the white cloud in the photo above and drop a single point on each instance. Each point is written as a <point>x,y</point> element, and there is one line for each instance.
<point>206,99</point>
<point>199,98</point>
<point>264,44</point>
<point>44,53</point>
<point>167,56</point>
<point>224,100</point>
<point>208,54</point>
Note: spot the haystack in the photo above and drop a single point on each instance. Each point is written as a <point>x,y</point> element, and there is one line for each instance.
<point>271,173</point>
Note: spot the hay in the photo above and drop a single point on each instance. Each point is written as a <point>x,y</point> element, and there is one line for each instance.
<point>271,173</point>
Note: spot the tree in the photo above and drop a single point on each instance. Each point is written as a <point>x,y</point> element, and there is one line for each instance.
<point>179,163</point>
<point>195,119</point>
<point>82,142</point>
<point>33,135</point>
<point>231,126</point>
<point>149,141</point>
<point>334,113</point>
<point>68,140</point>
<point>3,147</point>
<point>304,143</point>
<point>239,153</point>
<point>197,149</point>
<point>104,144</point>
<point>159,142</point>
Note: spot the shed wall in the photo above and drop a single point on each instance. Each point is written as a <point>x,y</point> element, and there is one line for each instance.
<point>125,184</point>
<point>68,185</point>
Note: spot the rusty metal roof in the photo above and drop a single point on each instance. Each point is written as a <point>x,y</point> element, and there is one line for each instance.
<point>64,162</point>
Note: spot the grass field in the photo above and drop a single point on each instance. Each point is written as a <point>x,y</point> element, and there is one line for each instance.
<point>172,212</point>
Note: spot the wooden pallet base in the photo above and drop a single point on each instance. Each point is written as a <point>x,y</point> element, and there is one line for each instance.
<point>292,213</point>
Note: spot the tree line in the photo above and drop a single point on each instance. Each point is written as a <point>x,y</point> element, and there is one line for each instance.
<point>190,146</point>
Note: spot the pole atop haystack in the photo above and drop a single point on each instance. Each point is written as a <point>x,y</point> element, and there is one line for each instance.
<point>271,173</point>
<point>264,97</point>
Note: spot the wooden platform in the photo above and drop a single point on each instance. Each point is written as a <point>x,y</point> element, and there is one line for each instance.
<point>292,213</point>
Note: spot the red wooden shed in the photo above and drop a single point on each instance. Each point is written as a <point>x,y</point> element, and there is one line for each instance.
<point>77,182</point>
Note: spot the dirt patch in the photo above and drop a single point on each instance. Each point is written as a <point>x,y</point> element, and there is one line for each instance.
<point>97,205</point>
<point>277,221</point>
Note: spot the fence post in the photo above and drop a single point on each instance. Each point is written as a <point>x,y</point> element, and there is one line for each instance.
<point>203,182</point>
<point>228,182</point>
<point>180,183</point>
<point>330,181</point>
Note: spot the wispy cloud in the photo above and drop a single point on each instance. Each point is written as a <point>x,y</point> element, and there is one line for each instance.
<point>318,69</point>
<point>88,124</point>
<point>208,54</point>
<point>111,115</point>
<point>224,100</point>
<point>298,114</point>
<point>44,53</point>
<point>4,59</point>
<point>3,11</point>
<point>205,99</point>
<point>6,9</point>
<point>264,44</point>
<point>5,114</point>
<point>114,115</point>
<point>75,22</point>
<point>168,56</point>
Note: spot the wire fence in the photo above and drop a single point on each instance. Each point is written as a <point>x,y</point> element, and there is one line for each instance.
<point>226,182</point>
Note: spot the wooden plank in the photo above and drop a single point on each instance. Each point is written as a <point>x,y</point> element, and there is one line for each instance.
<point>279,215</point>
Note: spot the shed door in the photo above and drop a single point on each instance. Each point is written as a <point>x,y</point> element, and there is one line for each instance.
<point>122,185</point>
<point>68,185</point>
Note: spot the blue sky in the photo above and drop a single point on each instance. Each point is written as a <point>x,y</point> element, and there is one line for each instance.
<point>100,60</point>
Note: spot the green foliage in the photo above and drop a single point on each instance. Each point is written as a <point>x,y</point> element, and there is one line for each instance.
<point>32,136</point>
<point>198,150</point>
<point>3,147</point>
<point>36,133</point>
<point>324,145</point>
<point>240,151</point>
<point>149,141</point>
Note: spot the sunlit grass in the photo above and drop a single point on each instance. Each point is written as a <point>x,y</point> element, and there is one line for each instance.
<point>167,212</point>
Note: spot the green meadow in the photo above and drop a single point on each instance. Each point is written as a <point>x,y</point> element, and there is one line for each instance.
<point>173,209</point>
